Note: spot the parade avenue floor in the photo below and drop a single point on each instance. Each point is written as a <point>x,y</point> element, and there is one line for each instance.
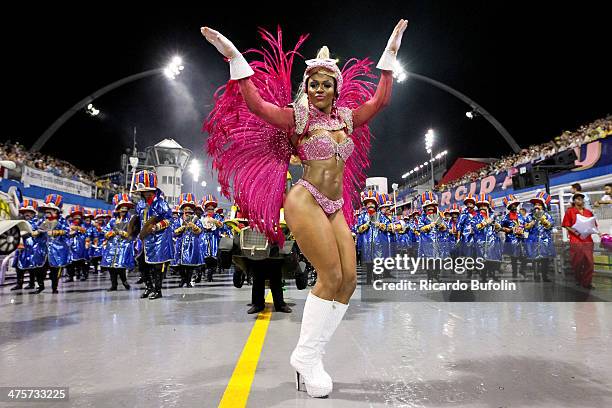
<point>197,347</point>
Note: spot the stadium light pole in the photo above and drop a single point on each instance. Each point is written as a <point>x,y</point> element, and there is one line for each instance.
<point>171,71</point>
<point>429,139</point>
<point>401,75</point>
<point>194,169</point>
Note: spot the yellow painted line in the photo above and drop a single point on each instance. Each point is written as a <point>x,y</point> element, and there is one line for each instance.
<point>237,392</point>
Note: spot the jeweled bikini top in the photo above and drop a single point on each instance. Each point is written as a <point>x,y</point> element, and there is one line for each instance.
<point>322,145</point>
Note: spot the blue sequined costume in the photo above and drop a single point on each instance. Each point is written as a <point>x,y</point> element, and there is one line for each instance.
<point>486,238</point>
<point>513,245</point>
<point>119,249</point>
<point>188,247</point>
<point>158,246</point>
<point>539,243</point>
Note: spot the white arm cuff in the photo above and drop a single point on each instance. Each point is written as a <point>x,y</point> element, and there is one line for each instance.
<point>240,68</point>
<point>387,61</point>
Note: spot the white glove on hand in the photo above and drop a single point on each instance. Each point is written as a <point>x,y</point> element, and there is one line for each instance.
<point>387,60</point>
<point>239,67</point>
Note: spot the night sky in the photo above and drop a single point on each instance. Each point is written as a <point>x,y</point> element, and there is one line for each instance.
<point>539,70</point>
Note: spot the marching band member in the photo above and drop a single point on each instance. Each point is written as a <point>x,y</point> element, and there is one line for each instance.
<point>370,225</point>
<point>447,215</point>
<point>513,225</point>
<point>539,245</point>
<point>108,215</point>
<point>118,253</point>
<point>225,231</point>
<point>386,236</point>
<point>188,249</point>
<point>176,214</point>
<point>96,239</point>
<point>155,216</point>
<point>210,237</point>
<point>445,235</point>
<point>78,249</point>
<point>33,253</point>
<point>89,239</point>
<point>486,239</point>
<point>358,236</point>
<point>452,235</point>
<point>431,227</point>
<point>413,231</point>
<point>55,230</point>
<point>465,228</point>
<point>199,212</point>
<point>401,231</point>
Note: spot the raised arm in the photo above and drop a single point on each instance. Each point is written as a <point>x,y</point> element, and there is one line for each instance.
<point>280,117</point>
<point>381,99</point>
<point>386,63</point>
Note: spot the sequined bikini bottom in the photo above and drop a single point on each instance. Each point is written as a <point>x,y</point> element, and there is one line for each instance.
<point>329,206</point>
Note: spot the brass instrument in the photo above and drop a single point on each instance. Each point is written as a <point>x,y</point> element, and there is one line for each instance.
<point>147,228</point>
<point>121,227</point>
<point>47,225</point>
<point>191,220</point>
<point>209,223</point>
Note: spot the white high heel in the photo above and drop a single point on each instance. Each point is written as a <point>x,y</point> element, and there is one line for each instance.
<point>312,379</point>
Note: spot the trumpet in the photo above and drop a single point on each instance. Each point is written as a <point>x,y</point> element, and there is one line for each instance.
<point>47,225</point>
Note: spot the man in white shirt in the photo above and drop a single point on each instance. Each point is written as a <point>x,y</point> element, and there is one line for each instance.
<point>606,199</point>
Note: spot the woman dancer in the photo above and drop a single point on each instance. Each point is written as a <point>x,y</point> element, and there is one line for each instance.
<point>254,130</point>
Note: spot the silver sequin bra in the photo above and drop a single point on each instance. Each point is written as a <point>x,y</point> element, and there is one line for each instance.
<point>322,146</point>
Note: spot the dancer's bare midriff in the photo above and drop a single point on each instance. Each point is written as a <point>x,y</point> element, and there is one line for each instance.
<point>326,175</point>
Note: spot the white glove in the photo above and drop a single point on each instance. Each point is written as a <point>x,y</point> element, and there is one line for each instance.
<point>239,67</point>
<point>388,59</point>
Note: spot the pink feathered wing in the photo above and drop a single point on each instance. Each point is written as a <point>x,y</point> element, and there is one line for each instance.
<point>251,156</point>
<point>356,90</point>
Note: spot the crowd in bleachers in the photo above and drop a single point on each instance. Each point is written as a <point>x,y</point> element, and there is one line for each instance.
<point>598,129</point>
<point>19,154</point>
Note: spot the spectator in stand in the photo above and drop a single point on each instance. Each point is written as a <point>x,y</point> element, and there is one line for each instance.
<point>606,199</point>
<point>599,129</point>
<point>17,153</point>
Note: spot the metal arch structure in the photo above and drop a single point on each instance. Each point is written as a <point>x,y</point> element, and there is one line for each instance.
<point>44,138</point>
<point>475,107</point>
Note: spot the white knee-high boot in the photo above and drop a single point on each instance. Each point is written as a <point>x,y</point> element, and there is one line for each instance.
<point>334,319</point>
<point>306,357</point>
<point>331,324</point>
